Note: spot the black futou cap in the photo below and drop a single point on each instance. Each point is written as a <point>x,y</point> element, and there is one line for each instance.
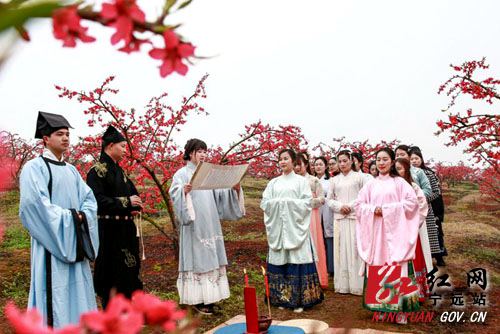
<point>111,135</point>
<point>48,123</point>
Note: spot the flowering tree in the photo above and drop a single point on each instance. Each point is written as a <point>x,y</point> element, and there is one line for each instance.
<point>122,316</point>
<point>258,145</point>
<point>153,156</point>
<point>126,17</point>
<point>454,174</point>
<point>366,148</point>
<point>14,153</point>
<point>478,130</point>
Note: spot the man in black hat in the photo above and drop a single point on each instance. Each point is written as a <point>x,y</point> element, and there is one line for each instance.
<point>118,263</point>
<point>60,212</point>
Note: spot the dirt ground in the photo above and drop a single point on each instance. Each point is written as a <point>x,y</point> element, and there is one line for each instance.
<point>472,238</point>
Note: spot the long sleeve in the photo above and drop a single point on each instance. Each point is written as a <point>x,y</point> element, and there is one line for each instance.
<point>118,205</point>
<point>422,181</point>
<point>178,197</point>
<point>90,228</point>
<point>228,204</point>
<point>365,228</point>
<point>331,199</point>
<point>49,224</point>
<point>317,192</point>
<point>287,218</point>
<point>434,182</point>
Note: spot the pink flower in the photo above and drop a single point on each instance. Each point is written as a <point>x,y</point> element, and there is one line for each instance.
<point>172,54</point>
<point>25,323</point>
<point>118,318</point>
<point>157,312</point>
<point>66,27</point>
<point>122,15</point>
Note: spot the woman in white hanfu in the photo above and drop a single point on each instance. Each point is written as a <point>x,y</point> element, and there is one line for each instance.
<point>343,192</point>
<point>202,279</point>
<point>286,202</point>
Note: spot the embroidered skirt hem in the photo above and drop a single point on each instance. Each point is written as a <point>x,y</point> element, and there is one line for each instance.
<point>203,288</point>
<point>294,285</point>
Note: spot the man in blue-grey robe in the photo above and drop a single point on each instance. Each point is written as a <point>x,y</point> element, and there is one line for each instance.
<point>60,212</point>
<point>202,279</point>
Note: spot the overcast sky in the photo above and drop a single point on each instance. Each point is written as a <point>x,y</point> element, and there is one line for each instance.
<point>359,69</point>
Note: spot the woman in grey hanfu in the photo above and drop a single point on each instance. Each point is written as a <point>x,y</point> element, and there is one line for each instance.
<point>202,279</point>
<point>286,202</point>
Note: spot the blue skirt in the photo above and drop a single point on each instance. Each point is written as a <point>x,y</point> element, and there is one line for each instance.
<point>294,285</point>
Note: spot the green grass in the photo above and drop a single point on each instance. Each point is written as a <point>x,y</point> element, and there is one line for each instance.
<point>9,203</point>
<point>17,288</point>
<point>16,237</point>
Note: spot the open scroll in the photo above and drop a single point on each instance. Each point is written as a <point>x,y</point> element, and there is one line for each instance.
<point>210,176</point>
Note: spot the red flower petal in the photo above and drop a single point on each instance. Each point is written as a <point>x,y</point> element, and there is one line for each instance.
<point>166,68</point>
<point>109,11</point>
<point>185,50</point>
<point>158,53</point>
<point>137,14</point>
<point>171,39</point>
<point>180,67</point>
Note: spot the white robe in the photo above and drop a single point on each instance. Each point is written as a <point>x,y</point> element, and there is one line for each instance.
<point>344,190</point>
<point>286,203</point>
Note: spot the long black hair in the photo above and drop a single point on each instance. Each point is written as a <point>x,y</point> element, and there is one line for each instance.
<point>361,160</point>
<point>373,162</point>
<point>327,174</point>
<point>193,145</point>
<point>290,152</point>
<point>416,151</point>
<point>302,156</point>
<point>392,155</point>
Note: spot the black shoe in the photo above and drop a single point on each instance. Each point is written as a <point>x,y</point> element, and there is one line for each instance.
<point>204,309</point>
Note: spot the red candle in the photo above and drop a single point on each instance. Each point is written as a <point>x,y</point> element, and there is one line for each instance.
<point>246,277</point>
<point>266,281</point>
<point>251,310</point>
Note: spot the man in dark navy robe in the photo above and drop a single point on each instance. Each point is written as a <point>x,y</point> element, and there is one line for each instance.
<point>118,262</point>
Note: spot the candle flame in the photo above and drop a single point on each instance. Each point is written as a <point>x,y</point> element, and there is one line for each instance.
<point>263,270</point>
<point>245,270</point>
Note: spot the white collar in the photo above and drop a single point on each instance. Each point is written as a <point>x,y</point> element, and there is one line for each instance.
<point>49,155</point>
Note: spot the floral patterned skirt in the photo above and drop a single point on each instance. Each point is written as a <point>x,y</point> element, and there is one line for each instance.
<point>294,285</point>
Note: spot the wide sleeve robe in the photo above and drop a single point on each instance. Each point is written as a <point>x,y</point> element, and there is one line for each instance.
<point>201,241</point>
<point>392,237</point>
<point>286,203</point>
<point>52,227</point>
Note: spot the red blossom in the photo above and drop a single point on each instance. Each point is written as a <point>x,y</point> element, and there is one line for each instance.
<point>122,15</point>
<point>27,322</point>
<point>156,311</point>
<point>66,26</point>
<point>118,318</point>
<point>173,54</point>
<point>479,131</point>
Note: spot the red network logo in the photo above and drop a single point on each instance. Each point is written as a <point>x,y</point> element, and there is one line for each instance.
<point>385,285</point>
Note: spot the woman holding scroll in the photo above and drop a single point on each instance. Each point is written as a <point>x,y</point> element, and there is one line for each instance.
<point>202,279</point>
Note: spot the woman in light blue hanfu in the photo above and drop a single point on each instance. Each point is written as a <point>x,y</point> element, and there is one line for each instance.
<point>202,279</point>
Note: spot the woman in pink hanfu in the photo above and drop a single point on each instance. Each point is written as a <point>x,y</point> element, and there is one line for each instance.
<point>302,168</point>
<point>387,230</point>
